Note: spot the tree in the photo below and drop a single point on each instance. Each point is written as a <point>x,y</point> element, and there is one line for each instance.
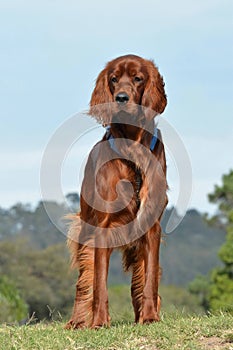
<point>221,288</point>
<point>13,307</point>
<point>200,287</point>
<point>73,201</point>
<point>41,276</point>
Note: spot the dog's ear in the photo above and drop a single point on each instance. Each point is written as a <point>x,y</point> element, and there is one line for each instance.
<point>101,99</point>
<point>154,97</point>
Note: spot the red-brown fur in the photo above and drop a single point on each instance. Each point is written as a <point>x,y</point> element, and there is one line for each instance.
<point>90,251</point>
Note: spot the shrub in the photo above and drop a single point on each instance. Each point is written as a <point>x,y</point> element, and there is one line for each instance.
<point>12,306</point>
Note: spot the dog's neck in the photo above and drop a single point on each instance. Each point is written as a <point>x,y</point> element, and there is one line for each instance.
<point>136,132</point>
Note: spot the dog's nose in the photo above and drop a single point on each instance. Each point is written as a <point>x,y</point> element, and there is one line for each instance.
<point>122,97</point>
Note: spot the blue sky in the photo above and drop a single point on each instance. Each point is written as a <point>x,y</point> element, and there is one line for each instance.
<point>52,51</point>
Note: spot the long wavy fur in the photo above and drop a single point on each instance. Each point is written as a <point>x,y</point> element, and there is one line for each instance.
<point>81,258</point>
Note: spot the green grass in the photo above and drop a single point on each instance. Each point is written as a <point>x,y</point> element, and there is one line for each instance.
<point>175,331</point>
<point>173,299</point>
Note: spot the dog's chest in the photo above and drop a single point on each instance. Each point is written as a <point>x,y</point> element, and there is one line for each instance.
<point>119,180</point>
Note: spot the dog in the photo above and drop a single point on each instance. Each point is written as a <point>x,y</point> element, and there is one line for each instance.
<point>123,194</point>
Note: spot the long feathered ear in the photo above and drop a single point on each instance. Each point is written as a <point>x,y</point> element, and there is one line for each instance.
<point>101,99</point>
<point>154,96</point>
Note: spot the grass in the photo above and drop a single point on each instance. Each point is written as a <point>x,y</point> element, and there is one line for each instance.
<point>175,331</point>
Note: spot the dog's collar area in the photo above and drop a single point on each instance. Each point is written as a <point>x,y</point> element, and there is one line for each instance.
<point>112,144</point>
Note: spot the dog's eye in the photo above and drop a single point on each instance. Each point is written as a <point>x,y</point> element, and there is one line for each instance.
<point>114,80</point>
<point>137,79</point>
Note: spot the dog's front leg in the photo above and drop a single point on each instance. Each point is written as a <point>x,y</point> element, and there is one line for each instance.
<point>100,301</point>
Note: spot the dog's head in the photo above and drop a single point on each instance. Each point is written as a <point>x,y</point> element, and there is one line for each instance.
<point>126,83</point>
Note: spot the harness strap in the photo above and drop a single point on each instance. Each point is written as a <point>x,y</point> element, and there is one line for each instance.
<point>154,140</point>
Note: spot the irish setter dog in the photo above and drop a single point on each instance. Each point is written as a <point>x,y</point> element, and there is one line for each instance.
<point>123,193</point>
